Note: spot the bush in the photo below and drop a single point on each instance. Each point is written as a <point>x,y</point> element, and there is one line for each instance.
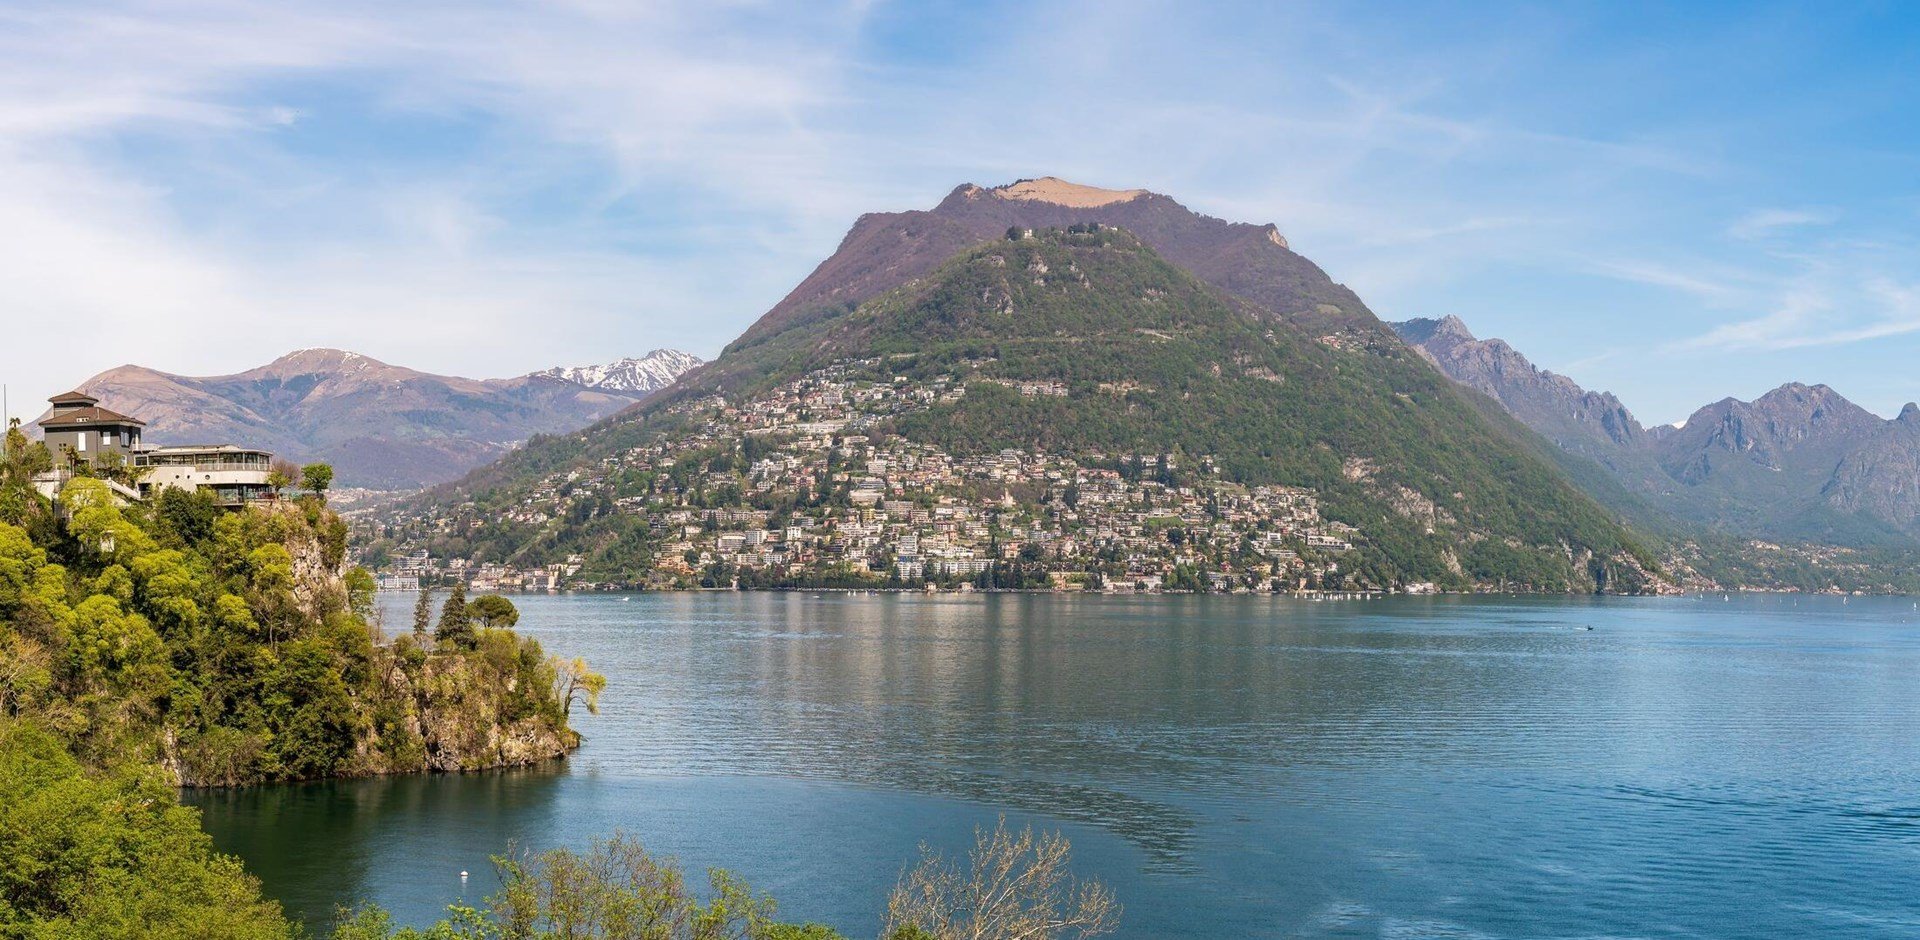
<point>111,855</point>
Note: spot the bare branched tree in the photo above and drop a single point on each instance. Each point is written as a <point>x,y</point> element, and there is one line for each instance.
<point>1015,887</point>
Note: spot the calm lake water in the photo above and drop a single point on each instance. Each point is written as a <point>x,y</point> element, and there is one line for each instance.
<point>1233,767</point>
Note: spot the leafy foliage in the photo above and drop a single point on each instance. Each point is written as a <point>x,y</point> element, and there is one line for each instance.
<point>615,890</point>
<point>110,854</point>
<point>229,648</point>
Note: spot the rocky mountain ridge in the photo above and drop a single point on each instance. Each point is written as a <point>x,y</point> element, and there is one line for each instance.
<point>886,250</point>
<point>649,373</point>
<point>1798,463</point>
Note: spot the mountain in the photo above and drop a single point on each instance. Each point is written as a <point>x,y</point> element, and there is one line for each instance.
<point>1798,463</point>
<point>1595,423</point>
<point>886,250</point>
<point>382,426</point>
<point>1015,374</point>
<point>652,372</point>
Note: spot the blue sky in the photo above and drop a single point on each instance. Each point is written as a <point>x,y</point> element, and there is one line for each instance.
<point>1676,203</point>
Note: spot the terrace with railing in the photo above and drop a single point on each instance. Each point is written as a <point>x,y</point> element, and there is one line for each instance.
<point>223,457</point>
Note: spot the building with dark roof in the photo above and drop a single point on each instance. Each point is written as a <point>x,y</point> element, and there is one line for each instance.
<point>83,432</point>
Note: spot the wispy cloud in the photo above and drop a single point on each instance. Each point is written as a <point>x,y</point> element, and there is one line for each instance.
<point>1764,222</point>
<point>1818,313</point>
<point>1715,288</point>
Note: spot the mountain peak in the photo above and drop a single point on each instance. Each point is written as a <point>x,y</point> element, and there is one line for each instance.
<point>1820,402</point>
<point>318,361</point>
<point>1422,330</point>
<point>323,354</point>
<point>1052,189</point>
<point>653,371</point>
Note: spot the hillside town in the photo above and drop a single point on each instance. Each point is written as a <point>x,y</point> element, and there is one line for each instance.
<point>803,486</point>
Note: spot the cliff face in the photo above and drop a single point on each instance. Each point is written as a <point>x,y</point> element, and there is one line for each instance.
<point>451,712</point>
<point>1881,478</point>
<point>349,704</point>
<point>1595,424</point>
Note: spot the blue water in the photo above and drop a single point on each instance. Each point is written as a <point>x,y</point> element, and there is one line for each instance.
<point>1231,766</point>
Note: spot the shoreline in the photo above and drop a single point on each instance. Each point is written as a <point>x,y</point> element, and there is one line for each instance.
<point>1296,595</point>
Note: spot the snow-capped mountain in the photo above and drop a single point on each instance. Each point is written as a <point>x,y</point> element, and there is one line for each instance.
<point>655,370</point>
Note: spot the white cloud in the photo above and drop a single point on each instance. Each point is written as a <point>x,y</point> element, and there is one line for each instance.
<point>1761,223</point>
<point>1819,310</point>
<point>713,153</point>
<point>1714,288</point>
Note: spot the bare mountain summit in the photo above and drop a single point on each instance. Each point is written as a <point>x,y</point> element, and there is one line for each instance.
<point>381,426</point>
<point>885,250</point>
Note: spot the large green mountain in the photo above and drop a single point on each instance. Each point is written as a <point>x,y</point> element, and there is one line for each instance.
<point>1084,342</point>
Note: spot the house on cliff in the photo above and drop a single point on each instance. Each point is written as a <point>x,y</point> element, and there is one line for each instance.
<point>80,433</point>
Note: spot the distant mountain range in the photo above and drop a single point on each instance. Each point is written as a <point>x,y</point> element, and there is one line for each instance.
<point>1049,318</point>
<point>381,426</point>
<point>1799,463</point>
<point>656,370</point>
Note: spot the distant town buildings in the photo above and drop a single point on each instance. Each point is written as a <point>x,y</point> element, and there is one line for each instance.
<point>802,486</point>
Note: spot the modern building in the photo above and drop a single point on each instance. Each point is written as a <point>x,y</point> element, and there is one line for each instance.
<point>234,475</point>
<point>79,431</point>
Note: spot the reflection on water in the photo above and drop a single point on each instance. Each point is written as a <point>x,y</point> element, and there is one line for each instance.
<point>1234,766</point>
<point>322,846</point>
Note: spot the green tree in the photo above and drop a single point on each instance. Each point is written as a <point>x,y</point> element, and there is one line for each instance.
<point>20,461</point>
<point>316,478</point>
<point>493,611</point>
<point>111,855</point>
<point>573,681</point>
<point>456,623</point>
<point>614,890</point>
<point>189,515</point>
<point>422,613</point>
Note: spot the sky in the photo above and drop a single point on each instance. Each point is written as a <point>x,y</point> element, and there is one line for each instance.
<point>1677,203</point>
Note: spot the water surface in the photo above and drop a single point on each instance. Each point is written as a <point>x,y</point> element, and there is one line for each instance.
<point>1232,766</point>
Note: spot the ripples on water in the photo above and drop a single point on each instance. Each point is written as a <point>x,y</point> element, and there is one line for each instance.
<point>1234,766</point>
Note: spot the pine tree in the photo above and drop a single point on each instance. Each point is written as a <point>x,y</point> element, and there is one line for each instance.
<point>422,613</point>
<point>456,622</point>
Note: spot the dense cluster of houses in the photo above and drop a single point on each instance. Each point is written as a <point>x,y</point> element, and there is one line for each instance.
<point>802,485</point>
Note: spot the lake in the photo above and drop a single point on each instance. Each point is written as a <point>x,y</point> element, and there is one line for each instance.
<point>1231,766</point>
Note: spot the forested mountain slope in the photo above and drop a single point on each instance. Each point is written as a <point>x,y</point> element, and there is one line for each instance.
<point>1086,342</point>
